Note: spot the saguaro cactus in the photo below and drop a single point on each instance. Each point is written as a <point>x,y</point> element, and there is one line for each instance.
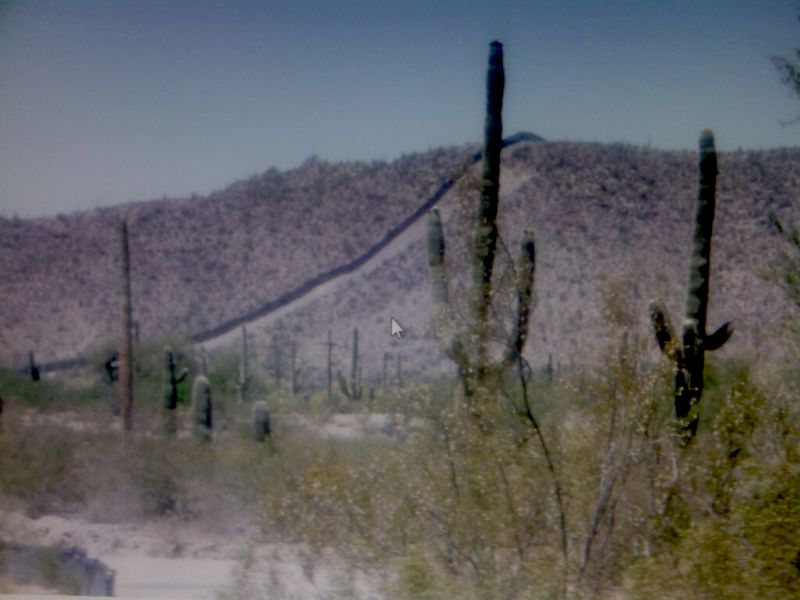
<point>33,368</point>
<point>202,417</point>
<point>125,377</point>
<point>242,379</point>
<point>689,350</point>
<point>111,367</point>
<point>203,354</point>
<point>261,421</point>
<point>355,389</point>
<point>294,370</point>
<point>398,370</point>
<point>469,347</point>
<point>171,381</point>
<point>277,359</point>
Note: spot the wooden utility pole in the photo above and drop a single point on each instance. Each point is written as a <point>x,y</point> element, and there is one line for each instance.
<point>277,360</point>
<point>399,369</point>
<point>330,367</point>
<point>294,371</point>
<point>125,382</point>
<point>242,380</point>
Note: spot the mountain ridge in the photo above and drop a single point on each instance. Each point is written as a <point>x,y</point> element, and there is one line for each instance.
<point>620,186</point>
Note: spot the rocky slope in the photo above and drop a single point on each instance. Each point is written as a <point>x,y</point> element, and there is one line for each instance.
<point>613,226</point>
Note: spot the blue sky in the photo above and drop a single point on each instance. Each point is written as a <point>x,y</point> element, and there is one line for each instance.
<point>108,102</point>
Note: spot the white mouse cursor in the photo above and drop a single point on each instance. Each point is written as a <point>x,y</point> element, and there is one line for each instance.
<point>397,329</point>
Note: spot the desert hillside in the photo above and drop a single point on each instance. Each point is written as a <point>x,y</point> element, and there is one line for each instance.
<point>197,262</point>
<point>612,223</point>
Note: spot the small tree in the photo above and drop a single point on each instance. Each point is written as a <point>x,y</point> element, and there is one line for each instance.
<point>790,77</point>
<point>788,274</point>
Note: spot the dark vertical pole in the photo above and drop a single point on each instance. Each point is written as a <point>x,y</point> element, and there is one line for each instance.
<point>125,383</point>
<point>330,367</point>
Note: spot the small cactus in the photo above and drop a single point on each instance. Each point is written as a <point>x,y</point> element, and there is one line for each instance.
<point>385,370</point>
<point>277,360</point>
<point>329,346</point>
<point>33,368</point>
<point>398,370</point>
<point>689,350</point>
<point>355,390</point>
<point>111,367</point>
<point>202,418</point>
<point>171,381</point>
<point>261,421</point>
<point>294,370</point>
<point>243,379</point>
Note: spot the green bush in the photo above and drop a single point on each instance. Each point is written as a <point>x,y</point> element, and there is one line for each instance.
<point>38,471</point>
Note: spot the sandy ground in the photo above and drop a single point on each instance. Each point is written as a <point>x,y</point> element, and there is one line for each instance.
<point>338,426</point>
<point>144,577</point>
<point>174,560</point>
<point>351,426</point>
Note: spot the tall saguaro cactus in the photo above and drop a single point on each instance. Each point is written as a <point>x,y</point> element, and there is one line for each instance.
<point>125,379</point>
<point>486,230</point>
<point>468,347</point>
<point>689,350</point>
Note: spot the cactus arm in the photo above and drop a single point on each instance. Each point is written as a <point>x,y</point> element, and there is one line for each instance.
<point>700,266</point>
<point>436,251</point>
<point>662,328</point>
<point>443,321</point>
<point>524,298</point>
<point>717,339</point>
<point>181,375</point>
